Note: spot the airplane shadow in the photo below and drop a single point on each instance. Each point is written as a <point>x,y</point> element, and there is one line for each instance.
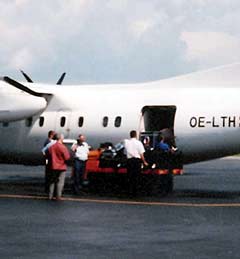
<point>206,194</point>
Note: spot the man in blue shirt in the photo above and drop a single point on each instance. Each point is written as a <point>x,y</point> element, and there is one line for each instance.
<point>162,145</point>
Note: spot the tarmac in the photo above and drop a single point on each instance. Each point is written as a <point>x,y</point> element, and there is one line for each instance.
<point>198,220</point>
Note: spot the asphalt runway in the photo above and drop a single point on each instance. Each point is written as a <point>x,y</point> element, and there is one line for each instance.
<point>199,220</point>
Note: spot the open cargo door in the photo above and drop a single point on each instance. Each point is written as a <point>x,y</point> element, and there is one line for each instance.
<point>160,119</point>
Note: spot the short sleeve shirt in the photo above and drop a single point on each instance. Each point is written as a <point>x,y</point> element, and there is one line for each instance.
<point>134,148</point>
<point>82,151</point>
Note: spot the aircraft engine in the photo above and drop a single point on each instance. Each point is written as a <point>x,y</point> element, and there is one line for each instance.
<point>20,106</point>
<point>20,102</point>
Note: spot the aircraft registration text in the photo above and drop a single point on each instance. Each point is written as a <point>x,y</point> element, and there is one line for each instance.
<point>215,122</point>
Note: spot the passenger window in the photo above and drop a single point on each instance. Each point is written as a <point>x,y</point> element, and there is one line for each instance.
<point>118,121</point>
<point>62,121</point>
<point>80,121</point>
<point>105,121</point>
<point>28,122</point>
<point>41,121</point>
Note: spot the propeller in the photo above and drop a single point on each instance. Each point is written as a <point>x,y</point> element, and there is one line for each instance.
<point>27,77</point>
<point>59,82</point>
<point>29,80</point>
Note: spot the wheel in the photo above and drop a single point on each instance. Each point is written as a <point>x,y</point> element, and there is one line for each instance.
<point>166,184</point>
<point>169,183</point>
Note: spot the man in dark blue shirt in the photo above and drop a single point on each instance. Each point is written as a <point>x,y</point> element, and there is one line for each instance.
<point>162,145</point>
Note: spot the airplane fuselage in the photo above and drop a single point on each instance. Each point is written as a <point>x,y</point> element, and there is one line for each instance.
<point>206,121</point>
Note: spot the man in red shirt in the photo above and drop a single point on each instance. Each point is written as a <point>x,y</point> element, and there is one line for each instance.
<point>59,154</point>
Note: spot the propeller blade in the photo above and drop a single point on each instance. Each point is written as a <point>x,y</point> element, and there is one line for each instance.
<point>59,82</point>
<point>27,77</point>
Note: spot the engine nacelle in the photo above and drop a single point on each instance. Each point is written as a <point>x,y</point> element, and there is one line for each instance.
<point>19,105</point>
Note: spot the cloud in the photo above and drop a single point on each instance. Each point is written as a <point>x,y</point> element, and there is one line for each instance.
<point>20,3</point>
<point>141,26</point>
<point>22,58</point>
<point>116,41</point>
<point>211,48</point>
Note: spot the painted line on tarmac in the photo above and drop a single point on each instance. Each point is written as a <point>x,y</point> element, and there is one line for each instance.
<point>124,202</point>
<point>237,157</point>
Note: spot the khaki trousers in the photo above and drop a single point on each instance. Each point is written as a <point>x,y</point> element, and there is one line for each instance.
<point>56,181</point>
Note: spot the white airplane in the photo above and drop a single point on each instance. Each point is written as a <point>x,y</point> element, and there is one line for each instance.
<point>202,109</point>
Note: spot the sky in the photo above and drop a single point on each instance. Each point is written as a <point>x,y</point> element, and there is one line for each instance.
<point>116,41</point>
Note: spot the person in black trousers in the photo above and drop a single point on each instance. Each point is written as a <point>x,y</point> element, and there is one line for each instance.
<point>135,157</point>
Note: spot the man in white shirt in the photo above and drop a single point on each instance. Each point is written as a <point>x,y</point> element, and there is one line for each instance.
<point>81,150</point>
<point>135,156</point>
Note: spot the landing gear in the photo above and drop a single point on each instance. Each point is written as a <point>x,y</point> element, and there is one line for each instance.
<point>158,185</point>
<point>166,183</point>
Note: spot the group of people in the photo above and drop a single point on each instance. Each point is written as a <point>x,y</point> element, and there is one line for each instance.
<point>56,156</point>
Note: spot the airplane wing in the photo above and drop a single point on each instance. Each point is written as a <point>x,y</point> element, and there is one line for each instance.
<point>223,76</point>
<point>18,105</point>
<point>25,88</point>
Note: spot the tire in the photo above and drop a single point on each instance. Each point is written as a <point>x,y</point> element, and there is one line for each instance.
<point>169,183</point>
<point>166,184</point>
